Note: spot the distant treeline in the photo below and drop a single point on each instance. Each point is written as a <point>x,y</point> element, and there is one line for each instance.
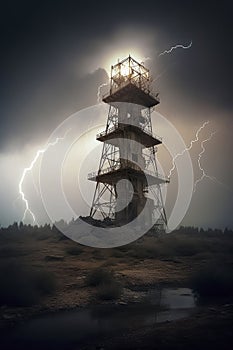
<point>49,229</point>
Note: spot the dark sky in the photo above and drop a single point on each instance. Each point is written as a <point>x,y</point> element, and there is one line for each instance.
<point>41,41</point>
<point>51,62</point>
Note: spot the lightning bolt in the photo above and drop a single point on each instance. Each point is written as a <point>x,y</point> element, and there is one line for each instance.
<point>28,169</point>
<point>178,46</point>
<point>187,148</point>
<point>99,91</point>
<point>204,175</point>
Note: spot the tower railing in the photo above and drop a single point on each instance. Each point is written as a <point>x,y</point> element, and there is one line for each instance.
<point>116,126</point>
<point>137,82</point>
<point>129,71</point>
<point>132,166</point>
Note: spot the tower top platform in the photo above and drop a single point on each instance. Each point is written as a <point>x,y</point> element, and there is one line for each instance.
<point>130,82</point>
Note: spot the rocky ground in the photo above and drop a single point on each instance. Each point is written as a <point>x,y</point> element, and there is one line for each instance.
<point>209,328</point>
<point>137,270</point>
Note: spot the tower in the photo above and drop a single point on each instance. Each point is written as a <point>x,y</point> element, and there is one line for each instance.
<point>128,176</point>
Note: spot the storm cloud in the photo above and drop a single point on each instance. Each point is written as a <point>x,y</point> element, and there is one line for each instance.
<point>54,58</point>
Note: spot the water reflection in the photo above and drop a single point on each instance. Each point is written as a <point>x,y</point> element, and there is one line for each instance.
<point>63,329</point>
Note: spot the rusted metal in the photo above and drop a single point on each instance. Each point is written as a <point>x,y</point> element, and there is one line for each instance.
<point>130,82</point>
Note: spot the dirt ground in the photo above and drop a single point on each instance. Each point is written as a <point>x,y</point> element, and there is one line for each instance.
<point>71,270</point>
<point>209,328</point>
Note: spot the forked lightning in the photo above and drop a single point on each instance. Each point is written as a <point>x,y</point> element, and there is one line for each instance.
<point>204,175</point>
<point>178,46</point>
<point>187,148</point>
<point>28,169</point>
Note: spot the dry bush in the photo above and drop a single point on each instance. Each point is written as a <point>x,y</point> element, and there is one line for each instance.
<point>22,285</point>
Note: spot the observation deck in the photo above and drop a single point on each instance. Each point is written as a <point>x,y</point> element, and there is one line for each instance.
<point>144,137</point>
<point>131,93</point>
<point>128,169</point>
<point>130,83</point>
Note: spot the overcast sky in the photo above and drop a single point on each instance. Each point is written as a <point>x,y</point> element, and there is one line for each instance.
<point>55,54</point>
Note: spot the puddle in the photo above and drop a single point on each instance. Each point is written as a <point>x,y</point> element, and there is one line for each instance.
<point>173,298</point>
<point>64,329</point>
<point>176,303</point>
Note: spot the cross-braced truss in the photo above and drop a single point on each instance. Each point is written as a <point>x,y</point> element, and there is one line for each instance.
<point>105,195</point>
<point>129,118</point>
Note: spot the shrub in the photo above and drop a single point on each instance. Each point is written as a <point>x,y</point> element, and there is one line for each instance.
<point>23,286</point>
<point>107,287</point>
<point>109,291</point>
<point>167,247</point>
<point>45,282</point>
<point>10,252</point>
<point>186,246</point>
<point>99,276</point>
<point>75,250</point>
<point>99,254</point>
<point>213,281</point>
<point>116,253</point>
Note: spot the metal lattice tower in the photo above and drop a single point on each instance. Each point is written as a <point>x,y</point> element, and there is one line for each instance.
<point>129,150</point>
